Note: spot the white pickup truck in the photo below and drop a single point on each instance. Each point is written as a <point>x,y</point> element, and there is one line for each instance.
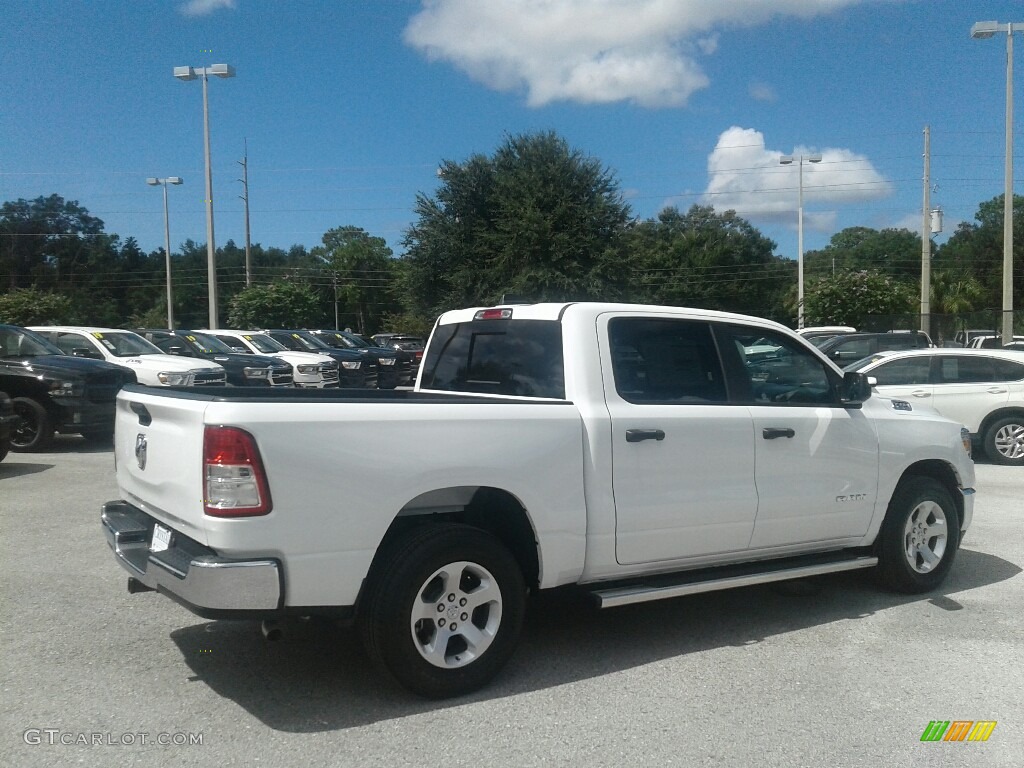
<point>636,451</point>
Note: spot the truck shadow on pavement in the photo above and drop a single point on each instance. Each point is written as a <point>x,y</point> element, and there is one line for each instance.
<point>319,679</point>
<point>19,469</point>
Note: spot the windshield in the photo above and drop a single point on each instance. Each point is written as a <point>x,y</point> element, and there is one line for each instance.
<point>19,342</point>
<point>206,345</point>
<point>124,344</point>
<point>311,342</point>
<point>856,365</point>
<point>264,343</point>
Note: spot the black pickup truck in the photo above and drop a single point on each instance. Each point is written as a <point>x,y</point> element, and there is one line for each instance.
<point>53,392</point>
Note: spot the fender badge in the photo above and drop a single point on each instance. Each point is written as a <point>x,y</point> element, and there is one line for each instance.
<point>140,450</point>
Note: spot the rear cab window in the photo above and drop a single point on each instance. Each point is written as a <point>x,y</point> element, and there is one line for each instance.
<point>497,357</point>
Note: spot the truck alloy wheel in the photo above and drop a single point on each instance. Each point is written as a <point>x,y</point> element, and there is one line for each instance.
<point>919,537</point>
<point>33,429</point>
<point>1004,441</point>
<point>444,609</point>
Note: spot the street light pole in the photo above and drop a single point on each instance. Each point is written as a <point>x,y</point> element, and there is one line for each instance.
<point>800,159</point>
<point>191,73</point>
<point>167,243</point>
<point>983,30</point>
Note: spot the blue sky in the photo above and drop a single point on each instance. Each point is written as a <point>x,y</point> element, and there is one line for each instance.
<point>349,107</point>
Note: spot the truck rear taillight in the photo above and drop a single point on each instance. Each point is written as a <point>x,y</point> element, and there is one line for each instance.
<point>235,484</point>
<point>493,314</point>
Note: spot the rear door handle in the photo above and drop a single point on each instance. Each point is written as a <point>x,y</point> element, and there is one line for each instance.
<point>770,433</point>
<point>996,391</point>
<point>638,435</point>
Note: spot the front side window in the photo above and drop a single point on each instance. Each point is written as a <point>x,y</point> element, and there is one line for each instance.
<point>791,375</point>
<point>77,344</point>
<point>911,370</point>
<point>499,357</point>
<point>656,360</point>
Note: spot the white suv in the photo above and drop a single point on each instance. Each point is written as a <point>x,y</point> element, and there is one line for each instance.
<point>983,389</point>
<point>130,350</point>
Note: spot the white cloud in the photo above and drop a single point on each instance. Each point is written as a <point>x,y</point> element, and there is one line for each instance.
<point>589,51</point>
<point>746,176</point>
<point>762,92</point>
<point>205,7</point>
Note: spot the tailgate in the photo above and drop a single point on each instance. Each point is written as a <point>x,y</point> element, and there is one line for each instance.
<point>158,450</point>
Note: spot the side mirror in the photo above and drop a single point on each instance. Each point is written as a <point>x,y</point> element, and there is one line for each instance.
<point>174,350</point>
<point>83,352</point>
<point>856,388</point>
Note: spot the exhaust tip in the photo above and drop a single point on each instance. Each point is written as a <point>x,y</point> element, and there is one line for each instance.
<point>272,631</point>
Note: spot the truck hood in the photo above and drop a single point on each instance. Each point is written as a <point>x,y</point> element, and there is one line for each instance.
<point>302,358</point>
<point>169,363</point>
<point>63,365</point>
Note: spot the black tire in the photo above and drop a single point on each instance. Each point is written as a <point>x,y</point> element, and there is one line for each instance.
<point>1004,441</point>
<point>33,430</point>
<point>919,537</point>
<point>406,577</point>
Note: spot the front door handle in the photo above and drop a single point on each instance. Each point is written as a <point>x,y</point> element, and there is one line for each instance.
<point>638,435</point>
<point>920,393</point>
<point>770,433</point>
<point>996,391</point>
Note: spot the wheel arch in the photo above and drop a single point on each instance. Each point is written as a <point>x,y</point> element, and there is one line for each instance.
<point>496,510</point>
<point>996,415</point>
<point>944,473</point>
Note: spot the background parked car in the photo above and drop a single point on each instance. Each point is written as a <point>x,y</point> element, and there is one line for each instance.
<point>412,344</point>
<point>848,347</point>
<point>128,349</point>
<point>242,370</point>
<point>54,392</point>
<point>991,342</point>
<point>309,370</point>
<point>982,389</point>
<point>394,366</point>
<point>355,370</point>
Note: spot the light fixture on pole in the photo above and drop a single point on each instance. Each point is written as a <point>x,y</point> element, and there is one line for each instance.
<point>153,182</point>
<point>800,160</point>
<point>983,30</point>
<point>191,73</point>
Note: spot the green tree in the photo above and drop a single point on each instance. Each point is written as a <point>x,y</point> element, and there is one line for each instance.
<point>280,304</point>
<point>43,239</point>
<point>976,250</point>
<point>28,306</point>
<point>362,270</point>
<point>706,259</point>
<point>894,252</point>
<point>536,218</point>
<point>850,298</point>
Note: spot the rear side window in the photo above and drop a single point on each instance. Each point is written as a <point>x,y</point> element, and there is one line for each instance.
<point>900,341</point>
<point>497,357</point>
<point>1007,370</point>
<point>657,360</point>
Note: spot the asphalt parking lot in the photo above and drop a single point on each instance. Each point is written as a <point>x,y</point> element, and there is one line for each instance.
<point>824,672</point>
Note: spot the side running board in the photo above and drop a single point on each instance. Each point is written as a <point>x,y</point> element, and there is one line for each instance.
<point>711,580</point>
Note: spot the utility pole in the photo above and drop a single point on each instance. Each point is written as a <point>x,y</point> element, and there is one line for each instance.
<point>244,162</point>
<point>336,326</point>
<point>926,237</point>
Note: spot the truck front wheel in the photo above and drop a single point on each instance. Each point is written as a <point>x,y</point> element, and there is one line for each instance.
<point>33,431</point>
<point>919,536</point>
<point>444,609</point>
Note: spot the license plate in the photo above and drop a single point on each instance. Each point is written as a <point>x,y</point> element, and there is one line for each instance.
<point>161,539</point>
